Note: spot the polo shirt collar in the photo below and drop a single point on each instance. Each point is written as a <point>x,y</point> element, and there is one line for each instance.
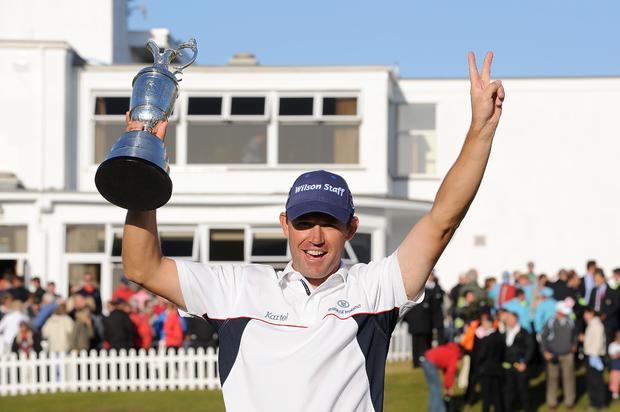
<point>289,273</point>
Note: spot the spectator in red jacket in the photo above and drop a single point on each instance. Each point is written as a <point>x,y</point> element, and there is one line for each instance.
<point>173,329</point>
<point>445,357</point>
<point>123,291</point>
<point>141,320</point>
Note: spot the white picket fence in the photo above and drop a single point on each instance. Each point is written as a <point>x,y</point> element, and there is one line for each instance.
<point>130,370</point>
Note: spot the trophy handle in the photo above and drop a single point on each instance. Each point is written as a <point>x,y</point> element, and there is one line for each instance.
<point>154,49</point>
<point>190,44</point>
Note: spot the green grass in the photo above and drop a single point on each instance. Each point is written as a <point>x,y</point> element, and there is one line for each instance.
<point>405,390</point>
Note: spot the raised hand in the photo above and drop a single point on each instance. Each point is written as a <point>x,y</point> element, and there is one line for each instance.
<point>133,125</point>
<point>486,96</point>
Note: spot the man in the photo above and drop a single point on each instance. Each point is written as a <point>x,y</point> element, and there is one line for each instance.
<point>588,281</point>
<point>446,358</point>
<point>594,348</point>
<point>420,321</point>
<point>531,274</point>
<point>18,290</point>
<point>519,305</point>
<point>36,289</point>
<point>604,301</point>
<point>559,343</point>
<point>318,327</point>
<point>545,310</point>
<point>118,329</point>
<point>89,289</point>
<point>518,354</point>
<point>488,355</point>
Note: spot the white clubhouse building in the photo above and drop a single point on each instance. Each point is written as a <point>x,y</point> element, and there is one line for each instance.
<point>242,132</point>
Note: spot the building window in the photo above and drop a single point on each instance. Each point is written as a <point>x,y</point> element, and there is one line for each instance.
<point>206,106</point>
<point>227,130</point>
<point>226,245</point>
<point>85,239</point>
<point>247,106</point>
<point>296,106</point>
<point>339,106</point>
<point>318,143</point>
<point>224,143</point>
<point>109,125</point>
<point>13,239</point>
<point>328,134</point>
<point>177,243</point>
<point>416,139</point>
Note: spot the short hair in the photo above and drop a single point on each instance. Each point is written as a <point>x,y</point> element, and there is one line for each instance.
<point>617,271</point>
<point>519,292</point>
<point>590,264</point>
<point>599,271</point>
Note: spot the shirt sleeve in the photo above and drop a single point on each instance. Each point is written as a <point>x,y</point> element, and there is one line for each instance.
<point>383,284</point>
<point>209,291</point>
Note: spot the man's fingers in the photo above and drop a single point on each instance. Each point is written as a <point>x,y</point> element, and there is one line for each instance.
<point>501,94</point>
<point>160,129</point>
<point>486,68</point>
<point>474,77</point>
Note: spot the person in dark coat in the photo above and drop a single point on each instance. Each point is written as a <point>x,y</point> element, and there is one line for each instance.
<point>488,355</point>
<point>118,329</point>
<point>90,289</point>
<point>437,296</point>
<point>420,321</point>
<point>604,301</point>
<point>517,356</point>
<point>560,287</point>
<point>18,291</point>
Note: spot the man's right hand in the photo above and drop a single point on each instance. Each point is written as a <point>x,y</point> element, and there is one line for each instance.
<point>135,125</point>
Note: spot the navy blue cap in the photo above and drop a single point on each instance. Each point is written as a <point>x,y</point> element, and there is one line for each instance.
<point>320,191</point>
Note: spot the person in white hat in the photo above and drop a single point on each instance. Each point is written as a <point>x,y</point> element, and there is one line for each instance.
<point>559,343</point>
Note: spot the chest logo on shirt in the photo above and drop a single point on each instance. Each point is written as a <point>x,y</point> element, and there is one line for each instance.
<point>276,316</point>
<point>343,307</point>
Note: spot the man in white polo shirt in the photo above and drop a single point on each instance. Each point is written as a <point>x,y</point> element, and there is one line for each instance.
<point>314,337</point>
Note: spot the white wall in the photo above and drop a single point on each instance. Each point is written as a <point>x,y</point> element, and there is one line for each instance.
<point>551,191</point>
<point>38,80</point>
<point>88,25</point>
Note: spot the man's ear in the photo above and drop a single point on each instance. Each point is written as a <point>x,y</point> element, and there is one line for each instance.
<point>352,229</point>
<point>284,223</point>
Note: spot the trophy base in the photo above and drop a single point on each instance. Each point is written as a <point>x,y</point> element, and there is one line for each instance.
<point>133,183</point>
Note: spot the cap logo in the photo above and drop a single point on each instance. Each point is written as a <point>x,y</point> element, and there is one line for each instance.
<point>306,187</point>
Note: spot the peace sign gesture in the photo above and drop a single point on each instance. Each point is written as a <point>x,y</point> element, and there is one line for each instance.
<point>486,96</point>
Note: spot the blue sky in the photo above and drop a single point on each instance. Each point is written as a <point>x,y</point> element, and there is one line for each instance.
<point>424,38</point>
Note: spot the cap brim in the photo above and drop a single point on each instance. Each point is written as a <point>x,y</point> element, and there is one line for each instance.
<point>296,211</point>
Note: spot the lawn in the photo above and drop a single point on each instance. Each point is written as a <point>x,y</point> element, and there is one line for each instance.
<point>405,390</point>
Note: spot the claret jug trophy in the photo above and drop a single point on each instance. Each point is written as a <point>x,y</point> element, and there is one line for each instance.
<point>135,174</point>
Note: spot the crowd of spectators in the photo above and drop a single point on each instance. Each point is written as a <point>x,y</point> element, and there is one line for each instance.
<point>33,318</point>
<point>500,335</point>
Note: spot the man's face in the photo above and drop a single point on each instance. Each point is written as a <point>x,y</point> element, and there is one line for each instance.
<point>510,320</point>
<point>599,279</point>
<point>88,279</point>
<point>317,241</point>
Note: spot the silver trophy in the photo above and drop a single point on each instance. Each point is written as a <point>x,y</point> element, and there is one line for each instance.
<point>134,175</point>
